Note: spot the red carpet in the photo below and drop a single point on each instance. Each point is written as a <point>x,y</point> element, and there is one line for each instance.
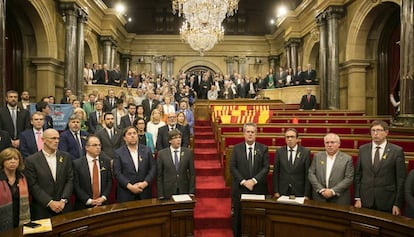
<point>212,211</point>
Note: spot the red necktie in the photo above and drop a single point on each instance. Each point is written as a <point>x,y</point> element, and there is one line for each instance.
<point>308,98</point>
<point>106,76</point>
<point>95,180</point>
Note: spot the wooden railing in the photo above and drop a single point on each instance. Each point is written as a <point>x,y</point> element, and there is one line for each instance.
<point>138,218</point>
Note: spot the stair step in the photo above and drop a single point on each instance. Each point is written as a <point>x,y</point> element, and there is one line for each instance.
<point>198,129</point>
<point>203,136</point>
<point>208,215</point>
<point>202,123</point>
<point>208,167</point>
<point>223,232</point>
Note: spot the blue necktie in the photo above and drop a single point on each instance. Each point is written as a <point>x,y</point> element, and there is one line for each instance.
<point>176,162</point>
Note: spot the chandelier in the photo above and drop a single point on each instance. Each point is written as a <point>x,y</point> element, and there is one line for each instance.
<point>202,38</point>
<point>202,26</point>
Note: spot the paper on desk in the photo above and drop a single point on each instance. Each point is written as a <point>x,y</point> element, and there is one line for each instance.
<point>297,200</point>
<point>252,197</point>
<point>181,198</point>
<point>46,226</point>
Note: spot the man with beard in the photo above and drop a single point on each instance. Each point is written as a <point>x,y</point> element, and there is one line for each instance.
<point>134,168</point>
<point>109,135</point>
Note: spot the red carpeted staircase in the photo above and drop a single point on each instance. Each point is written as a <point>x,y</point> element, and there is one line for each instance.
<point>212,213</point>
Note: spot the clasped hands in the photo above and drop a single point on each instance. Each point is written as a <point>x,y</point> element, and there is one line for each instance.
<point>326,193</point>
<point>249,184</point>
<point>137,187</point>
<point>57,206</point>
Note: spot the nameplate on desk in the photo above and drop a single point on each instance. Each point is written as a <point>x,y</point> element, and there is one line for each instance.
<point>287,199</point>
<point>45,226</point>
<point>181,198</point>
<point>252,197</point>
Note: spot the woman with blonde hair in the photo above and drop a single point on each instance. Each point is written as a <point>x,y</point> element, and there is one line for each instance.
<point>154,124</point>
<point>181,120</point>
<point>83,118</point>
<point>14,194</point>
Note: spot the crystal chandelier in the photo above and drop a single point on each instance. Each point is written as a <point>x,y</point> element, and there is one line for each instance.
<point>202,38</point>
<point>202,27</point>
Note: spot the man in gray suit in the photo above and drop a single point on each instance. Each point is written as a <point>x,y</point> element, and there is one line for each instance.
<point>331,173</point>
<point>49,177</point>
<point>291,165</point>
<point>175,168</point>
<point>380,173</point>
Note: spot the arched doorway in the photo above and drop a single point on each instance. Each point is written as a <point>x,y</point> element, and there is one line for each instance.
<point>199,70</point>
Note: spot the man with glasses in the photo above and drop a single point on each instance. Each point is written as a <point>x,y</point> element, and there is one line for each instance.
<point>50,178</point>
<point>380,173</point>
<point>291,165</point>
<point>331,173</point>
<point>162,138</point>
<point>92,176</point>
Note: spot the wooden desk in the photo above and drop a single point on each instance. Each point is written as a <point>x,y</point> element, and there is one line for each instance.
<point>138,218</point>
<point>316,219</point>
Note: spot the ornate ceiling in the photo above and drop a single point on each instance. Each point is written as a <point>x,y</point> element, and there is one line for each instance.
<point>155,16</point>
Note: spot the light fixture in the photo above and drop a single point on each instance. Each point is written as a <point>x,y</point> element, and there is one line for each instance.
<point>202,26</point>
<point>120,8</point>
<point>201,38</point>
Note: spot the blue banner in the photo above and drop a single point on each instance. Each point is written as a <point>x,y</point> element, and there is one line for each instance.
<point>60,114</point>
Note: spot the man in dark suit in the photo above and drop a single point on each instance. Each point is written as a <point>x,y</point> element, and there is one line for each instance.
<point>291,165</point>
<point>50,178</point>
<point>66,97</point>
<point>104,76</point>
<point>134,168</point>
<point>249,165</point>
<point>73,140</point>
<point>162,137</point>
<point>149,104</point>
<point>96,117</point>
<point>13,119</point>
<point>308,101</point>
<point>92,176</point>
<point>31,139</point>
<point>129,119</point>
<point>116,76</point>
<point>24,103</point>
<point>310,76</point>
<point>110,101</point>
<point>331,173</point>
<point>380,173</point>
<point>109,136</point>
<point>175,168</point>
<point>5,140</point>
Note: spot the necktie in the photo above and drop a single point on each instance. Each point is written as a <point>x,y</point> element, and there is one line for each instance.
<point>308,98</point>
<point>39,140</point>
<point>111,134</point>
<point>14,118</point>
<point>290,157</point>
<point>176,162</point>
<point>95,179</point>
<point>377,158</point>
<point>250,161</point>
<point>78,140</point>
<point>106,76</point>
<point>132,120</point>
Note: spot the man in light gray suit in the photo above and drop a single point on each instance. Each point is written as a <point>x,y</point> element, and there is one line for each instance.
<point>380,173</point>
<point>175,168</point>
<point>331,173</point>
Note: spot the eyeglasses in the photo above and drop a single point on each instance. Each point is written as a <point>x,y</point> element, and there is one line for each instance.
<point>331,142</point>
<point>377,130</point>
<point>95,145</point>
<point>290,136</point>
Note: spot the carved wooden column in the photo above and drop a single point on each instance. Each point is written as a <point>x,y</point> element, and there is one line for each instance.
<point>170,66</point>
<point>323,60</point>
<point>80,41</point>
<point>230,65</point>
<point>2,51</point>
<point>107,42</point>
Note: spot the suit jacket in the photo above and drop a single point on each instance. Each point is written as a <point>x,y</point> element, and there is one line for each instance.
<point>126,122</point>
<point>48,122</point>
<point>162,138</point>
<point>82,180</point>
<point>147,109</point>
<point>294,177</point>
<point>94,124</point>
<point>107,104</point>
<point>116,117</point>
<point>28,145</point>
<point>6,122</point>
<point>240,171</point>
<point>310,75</point>
<point>64,100</point>
<point>304,104</point>
<point>409,195</point>
<point>100,77</point>
<point>384,187</point>
<point>124,172</point>
<point>109,145</point>
<point>169,180</point>
<point>5,140</point>
<point>69,144</point>
<point>43,187</point>
<point>340,179</point>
